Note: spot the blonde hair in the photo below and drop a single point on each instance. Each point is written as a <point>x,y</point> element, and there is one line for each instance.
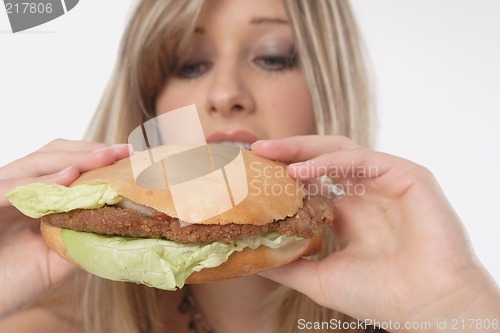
<point>332,58</point>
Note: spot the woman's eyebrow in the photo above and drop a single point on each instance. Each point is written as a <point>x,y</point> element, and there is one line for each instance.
<point>255,21</point>
<point>260,20</point>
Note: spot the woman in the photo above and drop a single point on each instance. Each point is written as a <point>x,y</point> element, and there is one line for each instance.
<point>286,74</point>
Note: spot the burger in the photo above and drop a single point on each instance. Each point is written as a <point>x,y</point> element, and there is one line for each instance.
<point>172,215</point>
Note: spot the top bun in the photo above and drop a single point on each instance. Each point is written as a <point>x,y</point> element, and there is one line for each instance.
<point>256,190</point>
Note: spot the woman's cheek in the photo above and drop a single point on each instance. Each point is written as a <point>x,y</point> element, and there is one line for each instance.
<point>291,106</point>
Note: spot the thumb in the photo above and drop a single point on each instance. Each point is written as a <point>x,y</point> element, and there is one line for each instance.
<point>301,275</point>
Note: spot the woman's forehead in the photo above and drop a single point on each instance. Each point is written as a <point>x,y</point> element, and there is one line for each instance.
<point>242,11</point>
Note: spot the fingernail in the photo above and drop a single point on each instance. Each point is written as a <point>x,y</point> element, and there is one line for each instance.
<point>296,165</point>
<point>256,144</point>
<point>114,148</point>
<point>264,274</point>
<point>119,146</point>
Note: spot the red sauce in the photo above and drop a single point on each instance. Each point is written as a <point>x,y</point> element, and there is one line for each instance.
<point>162,217</point>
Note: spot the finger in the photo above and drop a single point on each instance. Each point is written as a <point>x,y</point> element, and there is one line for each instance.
<point>58,271</point>
<point>103,156</point>
<point>71,145</point>
<point>360,163</point>
<point>64,177</point>
<point>43,163</point>
<point>301,148</point>
<point>364,173</point>
<point>321,281</point>
<point>300,275</point>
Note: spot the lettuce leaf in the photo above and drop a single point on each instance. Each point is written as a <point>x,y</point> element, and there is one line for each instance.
<point>37,200</point>
<point>158,263</point>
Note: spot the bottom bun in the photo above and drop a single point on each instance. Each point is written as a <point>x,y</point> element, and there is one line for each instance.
<point>53,238</point>
<point>246,262</point>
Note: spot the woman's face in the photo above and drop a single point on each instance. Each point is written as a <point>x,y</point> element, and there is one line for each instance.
<point>242,74</point>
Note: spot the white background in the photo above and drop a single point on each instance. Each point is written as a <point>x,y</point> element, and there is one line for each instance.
<point>437,68</point>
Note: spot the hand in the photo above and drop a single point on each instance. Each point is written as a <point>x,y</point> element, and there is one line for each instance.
<point>29,267</point>
<point>404,255</point>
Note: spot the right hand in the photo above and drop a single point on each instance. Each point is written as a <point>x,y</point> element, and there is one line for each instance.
<point>29,267</point>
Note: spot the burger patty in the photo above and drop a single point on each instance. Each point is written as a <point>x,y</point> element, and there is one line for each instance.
<point>113,220</point>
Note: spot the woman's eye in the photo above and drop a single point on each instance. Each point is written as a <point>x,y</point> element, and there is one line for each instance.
<point>192,69</point>
<point>276,63</point>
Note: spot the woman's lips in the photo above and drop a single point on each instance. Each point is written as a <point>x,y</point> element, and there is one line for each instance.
<point>240,138</point>
<point>234,136</point>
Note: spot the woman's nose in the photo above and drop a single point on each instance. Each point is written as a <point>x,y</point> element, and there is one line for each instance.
<point>229,92</point>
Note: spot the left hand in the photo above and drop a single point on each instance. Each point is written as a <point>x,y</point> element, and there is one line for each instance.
<point>404,254</point>
<point>29,268</point>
